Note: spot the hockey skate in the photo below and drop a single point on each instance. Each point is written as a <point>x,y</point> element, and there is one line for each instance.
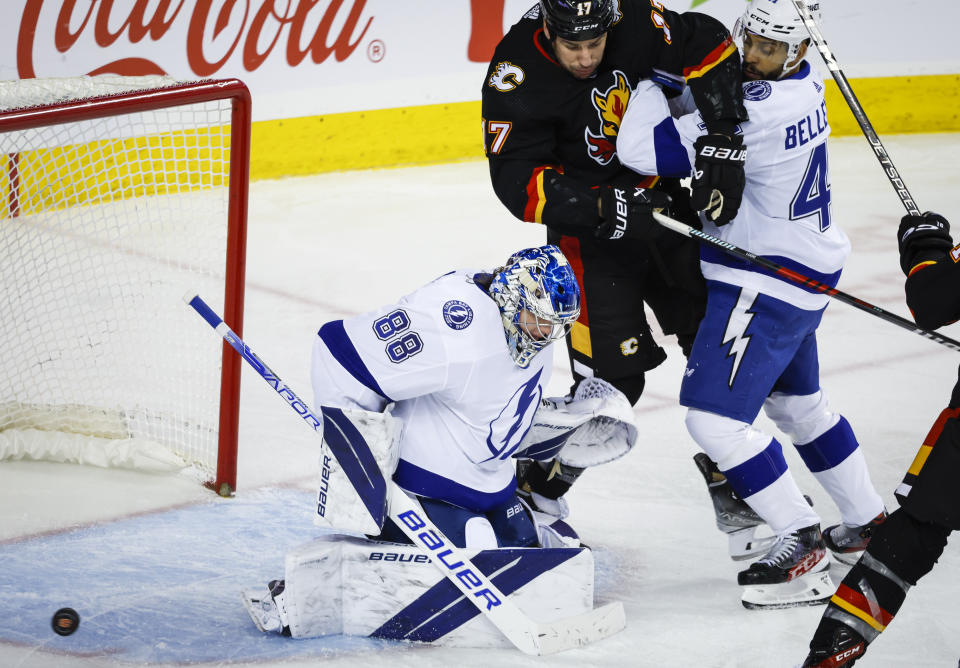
<point>835,646</point>
<point>264,608</point>
<point>848,543</point>
<point>795,572</point>
<point>734,517</point>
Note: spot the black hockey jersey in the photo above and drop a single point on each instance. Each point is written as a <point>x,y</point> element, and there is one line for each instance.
<point>549,136</point>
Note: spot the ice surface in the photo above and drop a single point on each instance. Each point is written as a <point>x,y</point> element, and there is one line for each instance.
<point>153,563</point>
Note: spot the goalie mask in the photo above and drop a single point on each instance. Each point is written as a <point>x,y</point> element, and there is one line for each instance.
<point>777,20</point>
<point>539,300</point>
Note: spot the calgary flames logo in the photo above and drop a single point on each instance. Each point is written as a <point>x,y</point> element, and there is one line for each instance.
<point>506,77</point>
<point>610,106</point>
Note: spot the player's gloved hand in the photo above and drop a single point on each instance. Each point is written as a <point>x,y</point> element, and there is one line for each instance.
<point>718,177</point>
<point>627,213</point>
<point>921,238</point>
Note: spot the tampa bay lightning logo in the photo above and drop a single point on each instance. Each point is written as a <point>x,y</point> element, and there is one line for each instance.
<point>757,90</point>
<point>509,428</point>
<point>457,314</point>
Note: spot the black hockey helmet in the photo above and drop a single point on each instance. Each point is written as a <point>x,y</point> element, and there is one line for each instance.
<point>576,20</point>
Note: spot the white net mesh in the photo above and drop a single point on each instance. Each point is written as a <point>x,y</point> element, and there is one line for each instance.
<point>104,225</point>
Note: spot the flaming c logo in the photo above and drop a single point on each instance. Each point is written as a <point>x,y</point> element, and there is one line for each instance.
<point>611,106</point>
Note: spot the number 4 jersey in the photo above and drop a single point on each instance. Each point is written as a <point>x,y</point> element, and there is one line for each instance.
<point>441,355</point>
<point>785,215</point>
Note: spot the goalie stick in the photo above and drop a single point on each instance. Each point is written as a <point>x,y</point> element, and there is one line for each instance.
<point>384,496</point>
<point>794,277</point>
<point>831,62</point>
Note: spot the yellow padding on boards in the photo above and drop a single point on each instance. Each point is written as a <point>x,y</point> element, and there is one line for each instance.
<point>100,171</point>
<point>451,132</point>
<point>896,105</point>
<point>365,139</point>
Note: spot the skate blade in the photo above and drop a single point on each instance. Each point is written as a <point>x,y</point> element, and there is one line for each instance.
<point>253,601</point>
<point>811,589</point>
<point>743,544</point>
<point>847,558</point>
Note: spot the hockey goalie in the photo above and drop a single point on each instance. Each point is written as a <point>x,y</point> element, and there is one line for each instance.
<point>446,386</point>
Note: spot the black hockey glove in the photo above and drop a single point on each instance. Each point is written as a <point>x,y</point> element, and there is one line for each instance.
<point>718,177</point>
<point>627,213</point>
<point>922,238</point>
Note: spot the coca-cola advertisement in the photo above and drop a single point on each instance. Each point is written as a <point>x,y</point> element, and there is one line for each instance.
<point>309,57</point>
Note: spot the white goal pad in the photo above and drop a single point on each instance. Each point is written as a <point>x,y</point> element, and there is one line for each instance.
<point>339,506</point>
<point>351,586</point>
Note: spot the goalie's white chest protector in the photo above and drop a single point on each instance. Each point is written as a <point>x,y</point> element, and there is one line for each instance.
<point>440,354</point>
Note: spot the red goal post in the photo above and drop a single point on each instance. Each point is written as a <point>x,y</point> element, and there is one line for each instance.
<point>113,204</point>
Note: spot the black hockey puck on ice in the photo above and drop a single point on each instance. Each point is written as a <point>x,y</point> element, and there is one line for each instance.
<point>65,621</point>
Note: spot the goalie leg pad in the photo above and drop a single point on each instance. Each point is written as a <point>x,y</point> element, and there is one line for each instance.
<point>552,531</point>
<point>343,584</point>
<point>339,505</point>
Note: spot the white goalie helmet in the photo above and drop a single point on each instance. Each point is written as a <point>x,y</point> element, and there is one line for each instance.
<point>777,20</point>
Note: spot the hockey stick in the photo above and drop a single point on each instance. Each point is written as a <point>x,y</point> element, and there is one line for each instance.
<point>352,451</point>
<point>831,62</point>
<point>793,277</point>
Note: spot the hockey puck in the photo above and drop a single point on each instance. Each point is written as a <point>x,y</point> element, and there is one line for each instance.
<point>65,621</point>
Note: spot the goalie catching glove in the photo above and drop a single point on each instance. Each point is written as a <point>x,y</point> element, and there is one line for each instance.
<point>627,213</point>
<point>922,238</point>
<point>595,426</point>
<point>718,176</point>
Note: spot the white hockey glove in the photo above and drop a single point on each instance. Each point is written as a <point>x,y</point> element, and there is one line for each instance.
<point>595,426</point>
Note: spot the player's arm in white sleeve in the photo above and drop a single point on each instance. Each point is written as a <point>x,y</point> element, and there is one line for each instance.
<point>649,140</point>
<point>380,357</point>
<point>652,141</point>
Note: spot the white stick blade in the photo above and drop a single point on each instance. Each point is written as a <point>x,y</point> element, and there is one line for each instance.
<point>583,629</point>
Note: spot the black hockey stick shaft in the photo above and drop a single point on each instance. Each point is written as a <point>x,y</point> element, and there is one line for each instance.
<point>831,62</point>
<point>793,277</point>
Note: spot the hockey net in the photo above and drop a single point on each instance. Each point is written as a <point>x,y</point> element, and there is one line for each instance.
<point>117,196</point>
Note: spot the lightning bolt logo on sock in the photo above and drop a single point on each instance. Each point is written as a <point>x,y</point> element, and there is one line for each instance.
<point>735,334</point>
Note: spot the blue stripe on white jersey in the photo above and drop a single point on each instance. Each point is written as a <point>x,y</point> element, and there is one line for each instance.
<point>343,350</point>
<point>716,256</point>
<point>672,158</point>
<point>668,79</point>
<point>422,482</point>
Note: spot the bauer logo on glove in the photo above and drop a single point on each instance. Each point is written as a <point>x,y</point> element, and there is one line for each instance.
<point>718,177</point>
<point>627,214</point>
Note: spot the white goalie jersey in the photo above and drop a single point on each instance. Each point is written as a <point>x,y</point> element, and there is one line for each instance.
<point>785,214</point>
<point>439,355</point>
